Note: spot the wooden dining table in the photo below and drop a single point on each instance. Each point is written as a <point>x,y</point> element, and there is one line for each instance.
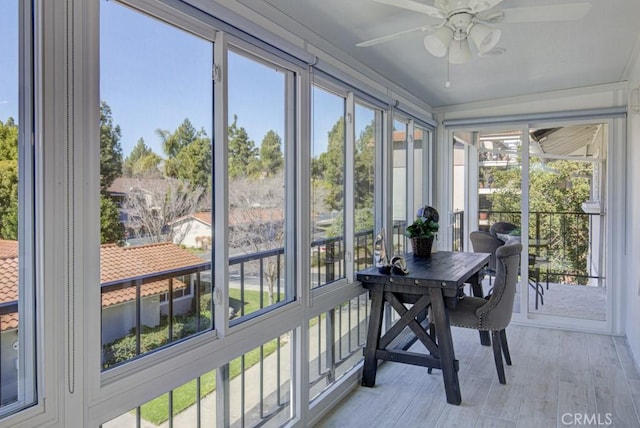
<point>433,283</point>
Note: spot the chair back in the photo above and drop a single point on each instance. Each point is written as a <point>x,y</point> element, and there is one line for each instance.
<point>496,313</point>
<point>484,242</point>
<point>502,227</point>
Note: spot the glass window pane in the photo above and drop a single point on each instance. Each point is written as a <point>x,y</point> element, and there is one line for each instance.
<point>155,183</point>
<point>256,159</point>
<point>419,173</point>
<point>179,407</point>
<point>499,177</point>
<point>567,220</point>
<point>17,380</point>
<point>366,131</point>
<point>327,187</point>
<point>260,385</point>
<point>460,139</point>
<point>336,340</point>
<point>399,189</point>
<point>499,186</point>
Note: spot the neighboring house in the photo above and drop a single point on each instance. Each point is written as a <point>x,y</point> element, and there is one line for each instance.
<point>146,191</point>
<point>122,186</point>
<point>120,267</point>
<point>195,230</point>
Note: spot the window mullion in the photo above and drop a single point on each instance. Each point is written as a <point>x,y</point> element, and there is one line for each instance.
<point>349,188</point>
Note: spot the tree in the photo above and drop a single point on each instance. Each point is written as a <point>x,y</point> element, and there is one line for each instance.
<point>142,162</point>
<point>153,210</point>
<point>189,155</point>
<point>110,149</point>
<point>110,169</point>
<point>549,195</point>
<point>194,163</point>
<point>243,156</point>
<point>174,142</point>
<point>9,199</point>
<point>256,221</point>
<point>271,157</point>
<point>332,162</point>
<point>8,140</point>
<point>110,231</point>
<point>9,180</point>
<point>364,178</point>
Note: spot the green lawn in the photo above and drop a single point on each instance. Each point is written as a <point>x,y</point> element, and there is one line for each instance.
<point>157,410</point>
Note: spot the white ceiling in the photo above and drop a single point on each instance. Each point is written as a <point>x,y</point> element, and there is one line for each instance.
<point>539,57</point>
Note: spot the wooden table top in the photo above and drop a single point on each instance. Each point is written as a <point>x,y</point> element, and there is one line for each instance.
<point>443,269</point>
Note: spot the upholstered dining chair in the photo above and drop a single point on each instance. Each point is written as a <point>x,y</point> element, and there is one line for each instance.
<point>502,227</point>
<point>485,242</point>
<point>494,312</point>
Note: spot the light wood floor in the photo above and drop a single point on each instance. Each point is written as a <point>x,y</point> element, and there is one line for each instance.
<point>557,379</point>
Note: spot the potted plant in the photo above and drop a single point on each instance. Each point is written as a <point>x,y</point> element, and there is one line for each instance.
<point>423,230</point>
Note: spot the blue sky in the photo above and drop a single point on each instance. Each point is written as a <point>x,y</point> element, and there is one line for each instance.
<point>153,76</point>
<point>8,60</point>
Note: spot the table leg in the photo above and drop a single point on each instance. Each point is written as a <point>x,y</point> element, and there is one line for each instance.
<point>445,345</point>
<point>476,286</point>
<point>373,337</point>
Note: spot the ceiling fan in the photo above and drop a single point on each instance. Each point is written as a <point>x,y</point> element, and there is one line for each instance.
<point>462,20</point>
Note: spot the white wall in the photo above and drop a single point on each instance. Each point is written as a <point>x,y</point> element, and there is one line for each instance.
<point>632,223</point>
<point>118,320</point>
<point>8,366</point>
<point>187,232</point>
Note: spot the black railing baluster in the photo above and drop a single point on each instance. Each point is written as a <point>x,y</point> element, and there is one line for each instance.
<point>241,289</point>
<point>261,282</point>
<point>197,303</point>
<point>138,316</point>
<point>170,328</point>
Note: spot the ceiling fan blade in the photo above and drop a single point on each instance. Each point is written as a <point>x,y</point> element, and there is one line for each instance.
<point>416,7</point>
<point>388,37</point>
<point>477,6</point>
<point>551,13</point>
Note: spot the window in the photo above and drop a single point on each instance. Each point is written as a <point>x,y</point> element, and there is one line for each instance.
<point>17,347</point>
<point>327,187</point>
<point>399,189</point>
<point>257,165</point>
<point>367,132</point>
<point>156,113</point>
<point>336,340</point>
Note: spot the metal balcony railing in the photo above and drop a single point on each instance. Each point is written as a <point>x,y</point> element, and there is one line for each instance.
<point>571,243</point>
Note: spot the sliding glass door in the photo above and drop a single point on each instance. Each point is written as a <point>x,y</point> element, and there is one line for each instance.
<point>543,185</point>
<point>566,219</point>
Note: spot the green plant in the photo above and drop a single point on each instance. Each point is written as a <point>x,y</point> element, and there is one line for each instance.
<point>426,224</point>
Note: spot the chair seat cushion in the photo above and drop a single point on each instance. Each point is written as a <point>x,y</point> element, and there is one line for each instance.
<point>464,314</point>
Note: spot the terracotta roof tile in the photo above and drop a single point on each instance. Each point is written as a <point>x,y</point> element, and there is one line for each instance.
<point>8,279</point>
<point>9,321</point>
<point>157,287</point>
<point>8,248</point>
<point>203,216</point>
<point>117,264</point>
<point>240,216</point>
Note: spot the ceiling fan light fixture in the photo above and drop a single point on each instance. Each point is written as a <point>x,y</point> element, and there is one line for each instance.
<point>437,43</point>
<point>459,51</point>
<point>484,37</point>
